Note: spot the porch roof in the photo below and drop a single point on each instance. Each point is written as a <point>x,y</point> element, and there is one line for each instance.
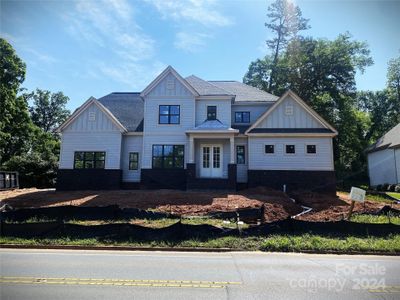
<point>212,126</point>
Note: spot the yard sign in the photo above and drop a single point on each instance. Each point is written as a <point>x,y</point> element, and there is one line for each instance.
<point>357,194</point>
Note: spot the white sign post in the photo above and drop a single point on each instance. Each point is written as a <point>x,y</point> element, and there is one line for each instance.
<point>358,195</point>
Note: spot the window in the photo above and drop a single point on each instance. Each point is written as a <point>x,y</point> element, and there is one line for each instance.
<point>89,160</point>
<point>240,155</point>
<point>311,149</point>
<point>216,157</point>
<point>211,112</point>
<point>290,149</point>
<point>133,160</point>
<point>168,156</point>
<point>289,110</point>
<point>206,157</point>
<point>169,114</point>
<point>242,117</point>
<point>269,149</point>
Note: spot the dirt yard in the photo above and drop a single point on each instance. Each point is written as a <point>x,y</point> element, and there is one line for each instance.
<point>277,205</point>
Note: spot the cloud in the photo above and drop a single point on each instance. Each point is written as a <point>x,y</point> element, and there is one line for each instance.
<point>203,15</point>
<point>191,42</point>
<point>111,24</point>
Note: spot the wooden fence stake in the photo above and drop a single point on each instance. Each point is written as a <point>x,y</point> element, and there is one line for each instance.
<point>350,210</point>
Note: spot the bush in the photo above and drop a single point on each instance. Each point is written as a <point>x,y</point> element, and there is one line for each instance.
<point>379,187</point>
<point>385,187</point>
<point>391,187</point>
<point>397,188</point>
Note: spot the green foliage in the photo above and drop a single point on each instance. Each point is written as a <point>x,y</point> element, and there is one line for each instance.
<point>48,111</point>
<point>26,142</point>
<point>15,124</point>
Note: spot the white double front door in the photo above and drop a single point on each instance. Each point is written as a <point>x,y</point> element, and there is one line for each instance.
<point>211,160</point>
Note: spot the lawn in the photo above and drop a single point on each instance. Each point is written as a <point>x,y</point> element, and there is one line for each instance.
<point>276,242</point>
<point>394,195</point>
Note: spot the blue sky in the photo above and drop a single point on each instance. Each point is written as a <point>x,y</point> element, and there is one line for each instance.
<point>91,48</point>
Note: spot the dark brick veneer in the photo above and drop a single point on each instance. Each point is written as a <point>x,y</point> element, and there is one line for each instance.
<point>319,181</point>
<point>210,183</point>
<point>88,179</point>
<point>163,179</point>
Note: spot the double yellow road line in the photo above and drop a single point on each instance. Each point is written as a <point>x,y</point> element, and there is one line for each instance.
<point>117,282</point>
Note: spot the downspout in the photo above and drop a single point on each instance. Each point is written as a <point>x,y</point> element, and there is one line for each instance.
<point>395,166</point>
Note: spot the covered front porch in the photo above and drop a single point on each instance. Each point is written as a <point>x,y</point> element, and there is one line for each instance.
<point>212,162</point>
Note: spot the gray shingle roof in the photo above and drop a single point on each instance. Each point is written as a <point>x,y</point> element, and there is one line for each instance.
<point>291,130</point>
<point>244,92</point>
<point>212,125</point>
<point>127,108</point>
<point>389,140</point>
<point>205,88</point>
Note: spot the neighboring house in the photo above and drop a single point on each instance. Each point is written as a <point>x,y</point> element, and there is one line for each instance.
<point>384,158</point>
<point>188,133</point>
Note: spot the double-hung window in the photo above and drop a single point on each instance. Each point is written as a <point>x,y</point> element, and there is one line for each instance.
<point>242,117</point>
<point>89,160</point>
<point>240,155</point>
<point>168,156</point>
<point>169,114</point>
<point>211,112</point>
<point>133,160</point>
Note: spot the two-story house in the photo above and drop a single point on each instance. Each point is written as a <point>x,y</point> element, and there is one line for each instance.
<point>188,133</point>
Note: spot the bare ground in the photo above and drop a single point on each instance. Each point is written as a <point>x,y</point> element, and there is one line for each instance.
<point>277,205</point>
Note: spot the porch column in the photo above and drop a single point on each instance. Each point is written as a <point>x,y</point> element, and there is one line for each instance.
<point>191,149</point>
<point>232,143</point>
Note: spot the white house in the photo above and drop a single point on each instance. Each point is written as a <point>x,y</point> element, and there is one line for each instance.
<point>189,133</point>
<point>384,159</point>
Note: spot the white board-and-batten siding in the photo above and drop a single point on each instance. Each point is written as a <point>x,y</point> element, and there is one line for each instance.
<point>299,119</point>
<point>384,167</point>
<point>83,134</point>
<point>131,144</point>
<point>167,134</point>
<point>280,160</point>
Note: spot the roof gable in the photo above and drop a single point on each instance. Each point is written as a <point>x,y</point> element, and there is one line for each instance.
<point>302,116</point>
<point>169,74</point>
<point>85,107</point>
<point>390,139</point>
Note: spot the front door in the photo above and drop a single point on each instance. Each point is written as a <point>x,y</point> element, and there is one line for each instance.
<point>211,161</point>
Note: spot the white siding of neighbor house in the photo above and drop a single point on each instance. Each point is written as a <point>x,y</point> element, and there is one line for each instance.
<point>225,151</point>
<point>242,168</point>
<point>299,119</point>
<point>166,134</point>
<point>397,154</point>
<point>321,161</point>
<point>382,166</point>
<point>85,135</point>
<point>131,144</point>
<point>255,112</point>
<point>223,110</point>
<point>162,90</point>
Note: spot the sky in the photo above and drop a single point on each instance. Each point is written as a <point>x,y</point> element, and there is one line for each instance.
<point>92,48</point>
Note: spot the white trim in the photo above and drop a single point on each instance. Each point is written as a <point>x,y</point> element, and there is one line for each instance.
<point>83,107</point>
<point>289,144</point>
<point>133,133</point>
<point>212,131</point>
<point>255,103</point>
<point>270,144</point>
<point>310,144</point>
<point>301,103</point>
<point>163,74</point>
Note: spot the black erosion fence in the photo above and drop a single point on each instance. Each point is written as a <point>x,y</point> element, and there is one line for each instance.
<point>56,227</point>
<point>8,180</point>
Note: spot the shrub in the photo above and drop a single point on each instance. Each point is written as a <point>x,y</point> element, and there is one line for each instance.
<point>391,187</point>
<point>397,188</point>
<point>385,187</point>
<point>379,187</point>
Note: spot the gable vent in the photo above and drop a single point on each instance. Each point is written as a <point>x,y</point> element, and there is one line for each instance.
<point>289,110</point>
<point>92,116</point>
<point>170,84</point>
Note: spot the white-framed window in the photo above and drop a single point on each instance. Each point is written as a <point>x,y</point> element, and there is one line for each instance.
<point>311,149</point>
<point>289,110</point>
<point>240,155</point>
<point>269,149</point>
<point>290,149</point>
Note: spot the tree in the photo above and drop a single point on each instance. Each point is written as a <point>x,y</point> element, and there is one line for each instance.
<point>285,22</point>
<point>393,86</point>
<point>48,110</point>
<point>15,124</point>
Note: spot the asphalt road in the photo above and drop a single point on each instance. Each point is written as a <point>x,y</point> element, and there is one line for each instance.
<point>72,274</point>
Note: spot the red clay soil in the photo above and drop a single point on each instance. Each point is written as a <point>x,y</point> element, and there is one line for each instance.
<point>277,205</point>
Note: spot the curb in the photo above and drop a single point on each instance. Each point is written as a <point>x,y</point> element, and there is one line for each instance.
<point>184,249</point>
